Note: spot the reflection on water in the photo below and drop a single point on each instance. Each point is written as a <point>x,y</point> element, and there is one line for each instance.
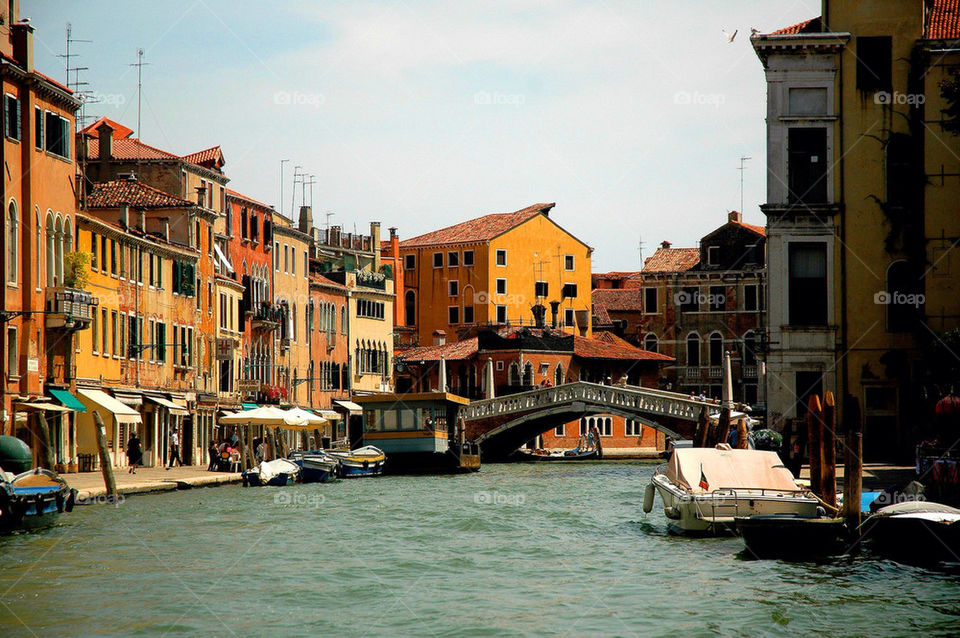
<point>550,549</point>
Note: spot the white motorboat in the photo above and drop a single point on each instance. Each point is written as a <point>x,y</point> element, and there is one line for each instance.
<point>704,489</point>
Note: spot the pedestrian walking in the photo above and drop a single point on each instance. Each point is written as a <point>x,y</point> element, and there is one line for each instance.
<point>174,449</point>
<point>214,453</point>
<point>134,453</point>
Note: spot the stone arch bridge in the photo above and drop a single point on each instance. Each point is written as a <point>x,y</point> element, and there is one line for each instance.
<point>503,424</point>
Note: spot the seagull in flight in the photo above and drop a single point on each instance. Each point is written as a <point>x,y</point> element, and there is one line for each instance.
<point>730,36</point>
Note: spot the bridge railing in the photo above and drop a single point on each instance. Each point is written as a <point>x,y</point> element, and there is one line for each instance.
<point>633,399</point>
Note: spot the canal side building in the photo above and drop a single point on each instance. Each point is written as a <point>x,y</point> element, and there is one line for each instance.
<point>695,304</point>
<point>863,172</point>
<point>493,270</point>
<point>45,307</point>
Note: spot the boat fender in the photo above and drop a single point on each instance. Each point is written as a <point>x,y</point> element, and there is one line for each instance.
<point>672,513</point>
<point>71,501</point>
<point>648,495</point>
<point>38,502</point>
<point>61,502</point>
<point>366,464</point>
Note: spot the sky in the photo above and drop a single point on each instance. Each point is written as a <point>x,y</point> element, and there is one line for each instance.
<point>631,116</point>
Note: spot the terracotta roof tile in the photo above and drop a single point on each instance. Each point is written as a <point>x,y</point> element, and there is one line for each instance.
<point>479,229</point>
<point>459,351</point>
<point>123,192</point>
<point>128,148</point>
<point>606,345</point>
<point>672,260</point>
<point>813,25</point>
<point>760,230</point>
<point>237,195</point>
<point>208,158</point>
<point>119,130</point>
<point>943,21</point>
<point>618,299</point>
<point>600,315</point>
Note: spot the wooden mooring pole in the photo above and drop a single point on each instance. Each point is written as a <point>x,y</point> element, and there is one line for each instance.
<point>815,444</point>
<point>703,428</point>
<point>742,442</point>
<point>829,446</point>
<point>43,439</point>
<point>106,465</point>
<point>852,464</point>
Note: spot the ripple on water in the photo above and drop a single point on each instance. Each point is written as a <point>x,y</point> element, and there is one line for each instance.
<point>560,549</point>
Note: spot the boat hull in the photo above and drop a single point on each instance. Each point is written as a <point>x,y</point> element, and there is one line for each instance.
<point>316,470</point>
<point>567,457</point>
<point>367,461</point>
<point>791,537</point>
<point>715,512</point>
<point>34,499</point>
<point>913,540</point>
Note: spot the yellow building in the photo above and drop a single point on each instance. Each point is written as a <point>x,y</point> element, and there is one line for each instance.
<point>141,351</point>
<point>861,219</point>
<point>370,330</point>
<point>497,269</point>
<point>291,292</point>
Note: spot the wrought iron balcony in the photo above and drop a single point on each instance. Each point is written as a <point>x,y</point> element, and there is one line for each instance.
<point>268,316</point>
<point>69,308</point>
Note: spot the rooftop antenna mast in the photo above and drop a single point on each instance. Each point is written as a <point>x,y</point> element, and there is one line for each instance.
<point>75,85</point>
<point>328,215</point>
<point>311,183</point>
<point>297,174</point>
<point>139,64</point>
<point>741,169</point>
<point>640,250</point>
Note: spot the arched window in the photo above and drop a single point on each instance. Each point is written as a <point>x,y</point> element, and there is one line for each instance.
<point>558,377</point>
<point>514,374</point>
<point>51,255</point>
<point>650,343</point>
<point>13,244</point>
<point>693,350</point>
<point>716,349</point>
<point>904,297</point>
<point>528,373</point>
<point>749,348</point>
<point>410,307</point>
<point>243,222</point>
<point>39,249</point>
<point>58,251</point>
<point>343,319</point>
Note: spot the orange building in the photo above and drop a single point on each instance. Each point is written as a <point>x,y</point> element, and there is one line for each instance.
<point>328,374</point>
<point>43,307</point>
<point>498,269</point>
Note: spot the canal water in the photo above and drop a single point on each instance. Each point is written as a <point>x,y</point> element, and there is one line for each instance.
<point>514,549</point>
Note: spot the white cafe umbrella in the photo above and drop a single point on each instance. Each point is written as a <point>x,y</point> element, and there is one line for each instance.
<point>267,416</point>
<point>298,418</point>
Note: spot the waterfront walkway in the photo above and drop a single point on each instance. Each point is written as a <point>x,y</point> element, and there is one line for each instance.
<point>148,479</point>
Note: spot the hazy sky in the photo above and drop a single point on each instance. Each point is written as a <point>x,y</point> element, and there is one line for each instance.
<point>631,116</point>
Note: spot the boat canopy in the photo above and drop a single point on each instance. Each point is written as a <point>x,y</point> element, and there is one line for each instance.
<point>722,467</point>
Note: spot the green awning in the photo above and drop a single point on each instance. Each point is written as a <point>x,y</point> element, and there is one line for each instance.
<point>67,399</point>
<point>249,406</point>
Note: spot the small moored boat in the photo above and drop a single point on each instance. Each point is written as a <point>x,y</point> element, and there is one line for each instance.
<point>33,499</point>
<point>364,461</point>
<point>790,536</point>
<point>277,473</point>
<point>315,466</point>
<point>915,532</point>
<point>705,489</point>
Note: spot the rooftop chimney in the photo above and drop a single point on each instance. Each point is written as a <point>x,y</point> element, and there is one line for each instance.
<point>306,219</point>
<point>734,216</point>
<point>23,44</point>
<point>665,244</point>
<point>554,310</point>
<point>375,241</point>
<point>539,315</point>
<point>439,337</point>
<point>105,142</point>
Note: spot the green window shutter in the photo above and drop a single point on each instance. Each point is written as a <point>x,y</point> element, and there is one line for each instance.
<point>19,123</point>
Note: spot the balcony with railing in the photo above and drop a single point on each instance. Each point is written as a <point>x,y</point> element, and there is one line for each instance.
<point>267,316</point>
<point>69,308</point>
<point>750,372</point>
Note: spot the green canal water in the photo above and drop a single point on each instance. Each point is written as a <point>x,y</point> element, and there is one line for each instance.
<point>514,549</point>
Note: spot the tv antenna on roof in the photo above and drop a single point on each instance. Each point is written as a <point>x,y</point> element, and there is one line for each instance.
<point>139,64</point>
<point>75,84</point>
<point>640,250</point>
<point>741,169</point>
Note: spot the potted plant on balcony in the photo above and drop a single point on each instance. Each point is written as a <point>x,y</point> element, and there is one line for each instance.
<point>76,270</point>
